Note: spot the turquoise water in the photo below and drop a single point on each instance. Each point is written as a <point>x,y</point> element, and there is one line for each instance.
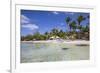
<point>45,52</point>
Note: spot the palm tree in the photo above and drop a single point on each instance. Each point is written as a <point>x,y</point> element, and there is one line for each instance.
<point>47,35</point>
<point>85,29</point>
<point>73,25</point>
<point>22,38</point>
<point>62,34</point>
<point>55,32</point>
<point>79,20</point>
<point>85,32</point>
<point>68,19</point>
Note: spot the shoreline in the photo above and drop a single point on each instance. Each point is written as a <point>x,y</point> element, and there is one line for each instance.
<point>62,41</point>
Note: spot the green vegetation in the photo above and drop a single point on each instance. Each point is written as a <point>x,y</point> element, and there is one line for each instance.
<point>77,31</point>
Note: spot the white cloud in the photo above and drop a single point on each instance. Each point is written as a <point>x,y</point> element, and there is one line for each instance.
<point>71,13</point>
<point>24,19</point>
<point>25,23</point>
<point>56,13</point>
<point>30,26</point>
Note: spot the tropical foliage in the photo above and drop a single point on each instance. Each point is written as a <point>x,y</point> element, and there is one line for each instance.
<point>76,31</point>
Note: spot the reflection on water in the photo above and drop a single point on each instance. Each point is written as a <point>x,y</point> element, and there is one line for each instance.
<point>44,52</point>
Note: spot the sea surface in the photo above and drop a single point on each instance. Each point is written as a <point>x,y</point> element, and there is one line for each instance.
<point>48,52</point>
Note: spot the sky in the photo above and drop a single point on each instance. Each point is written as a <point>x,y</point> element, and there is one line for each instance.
<point>44,21</point>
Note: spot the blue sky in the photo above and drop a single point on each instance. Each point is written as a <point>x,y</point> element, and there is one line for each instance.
<point>44,21</point>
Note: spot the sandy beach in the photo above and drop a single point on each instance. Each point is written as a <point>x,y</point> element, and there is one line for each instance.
<point>62,41</point>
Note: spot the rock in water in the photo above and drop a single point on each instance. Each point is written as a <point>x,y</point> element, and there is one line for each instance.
<point>65,48</point>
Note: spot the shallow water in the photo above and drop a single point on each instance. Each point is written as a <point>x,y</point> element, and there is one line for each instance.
<point>45,52</point>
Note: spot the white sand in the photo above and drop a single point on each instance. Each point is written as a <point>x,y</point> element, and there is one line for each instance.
<point>62,41</point>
